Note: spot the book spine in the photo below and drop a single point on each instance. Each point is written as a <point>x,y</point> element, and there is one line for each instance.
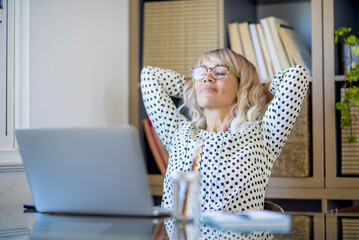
<point>234,38</point>
<point>258,53</point>
<point>272,51</point>
<point>156,146</point>
<point>247,43</point>
<point>282,56</point>
<point>264,47</point>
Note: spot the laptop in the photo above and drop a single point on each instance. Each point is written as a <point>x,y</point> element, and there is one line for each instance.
<point>96,171</point>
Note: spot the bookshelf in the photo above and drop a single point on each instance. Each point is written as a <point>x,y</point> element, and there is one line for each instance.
<point>315,21</point>
<point>293,12</point>
<point>341,13</point>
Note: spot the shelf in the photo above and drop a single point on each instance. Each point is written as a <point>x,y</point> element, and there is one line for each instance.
<point>339,78</point>
<point>305,182</point>
<point>342,182</point>
<point>340,13</point>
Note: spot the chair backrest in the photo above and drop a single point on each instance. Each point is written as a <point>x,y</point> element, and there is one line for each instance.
<point>272,207</point>
<point>352,209</point>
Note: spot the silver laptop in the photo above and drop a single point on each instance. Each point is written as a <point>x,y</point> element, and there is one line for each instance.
<point>87,171</point>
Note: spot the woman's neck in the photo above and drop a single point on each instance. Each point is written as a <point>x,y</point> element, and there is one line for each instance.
<point>218,119</point>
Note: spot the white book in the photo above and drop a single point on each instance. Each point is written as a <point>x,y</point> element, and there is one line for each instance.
<point>264,47</point>
<point>258,52</point>
<point>271,48</point>
<point>279,46</point>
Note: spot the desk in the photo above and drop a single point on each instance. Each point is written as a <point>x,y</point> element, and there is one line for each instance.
<point>17,225</point>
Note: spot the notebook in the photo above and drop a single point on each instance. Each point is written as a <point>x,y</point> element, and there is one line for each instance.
<point>98,171</point>
<point>252,220</point>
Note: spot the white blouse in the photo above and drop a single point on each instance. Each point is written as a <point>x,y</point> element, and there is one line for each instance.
<point>235,166</point>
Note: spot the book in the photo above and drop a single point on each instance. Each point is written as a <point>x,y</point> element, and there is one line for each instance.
<point>282,55</point>
<point>158,150</point>
<point>264,47</point>
<point>248,220</point>
<point>296,47</point>
<point>234,38</point>
<point>290,58</point>
<point>258,52</point>
<point>271,48</point>
<point>246,40</point>
<point>276,49</point>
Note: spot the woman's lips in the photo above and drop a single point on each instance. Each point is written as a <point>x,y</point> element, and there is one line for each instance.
<point>208,89</point>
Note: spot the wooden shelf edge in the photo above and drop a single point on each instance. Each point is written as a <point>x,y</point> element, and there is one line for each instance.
<point>342,194</point>
<point>314,193</point>
<point>295,193</point>
<point>342,182</point>
<point>285,182</point>
<point>339,78</point>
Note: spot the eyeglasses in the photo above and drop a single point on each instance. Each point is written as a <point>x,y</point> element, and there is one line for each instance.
<point>218,72</point>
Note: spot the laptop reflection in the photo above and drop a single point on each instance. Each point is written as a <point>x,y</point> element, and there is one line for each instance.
<point>90,227</point>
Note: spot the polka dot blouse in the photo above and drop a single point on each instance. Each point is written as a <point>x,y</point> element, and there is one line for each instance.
<point>235,166</point>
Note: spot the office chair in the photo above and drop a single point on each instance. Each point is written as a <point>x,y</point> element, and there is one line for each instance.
<point>272,207</point>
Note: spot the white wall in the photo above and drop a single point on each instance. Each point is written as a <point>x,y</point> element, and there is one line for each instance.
<point>78,71</point>
<point>79,62</point>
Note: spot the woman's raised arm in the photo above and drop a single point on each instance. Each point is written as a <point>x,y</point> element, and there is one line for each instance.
<point>157,87</point>
<point>289,88</point>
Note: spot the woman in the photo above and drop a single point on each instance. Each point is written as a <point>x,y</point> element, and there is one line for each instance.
<point>239,135</point>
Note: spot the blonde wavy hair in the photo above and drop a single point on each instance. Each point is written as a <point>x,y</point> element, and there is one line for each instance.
<point>251,99</point>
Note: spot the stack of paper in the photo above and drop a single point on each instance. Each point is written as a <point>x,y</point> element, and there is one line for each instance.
<point>249,221</point>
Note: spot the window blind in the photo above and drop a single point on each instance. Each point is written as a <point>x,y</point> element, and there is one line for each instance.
<point>176,33</point>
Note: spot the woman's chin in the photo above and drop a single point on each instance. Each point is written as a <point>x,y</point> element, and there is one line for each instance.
<point>208,106</point>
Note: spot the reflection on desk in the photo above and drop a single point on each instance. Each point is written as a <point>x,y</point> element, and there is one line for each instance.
<point>178,230</point>
<point>89,227</point>
<point>15,224</point>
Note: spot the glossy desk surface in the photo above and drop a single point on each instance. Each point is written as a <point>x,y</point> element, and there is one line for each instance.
<point>17,224</point>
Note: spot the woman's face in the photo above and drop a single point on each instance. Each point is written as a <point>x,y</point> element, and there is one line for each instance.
<point>216,94</point>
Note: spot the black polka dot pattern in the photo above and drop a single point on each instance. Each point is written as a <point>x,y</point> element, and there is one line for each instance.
<point>235,166</point>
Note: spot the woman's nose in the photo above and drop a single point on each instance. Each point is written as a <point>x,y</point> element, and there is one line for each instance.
<point>208,77</point>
